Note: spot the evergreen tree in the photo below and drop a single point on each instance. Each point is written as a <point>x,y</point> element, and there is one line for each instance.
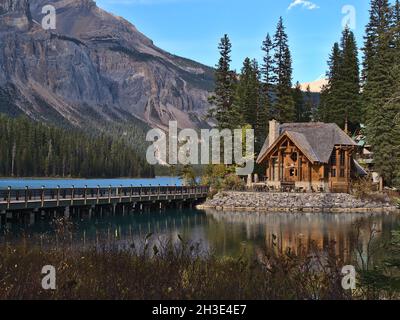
<point>340,99</point>
<point>267,73</point>
<point>224,109</point>
<point>248,90</point>
<point>379,23</point>
<point>309,107</point>
<point>282,80</point>
<point>31,149</point>
<point>379,94</point>
<point>349,83</point>
<point>298,102</point>
<point>329,94</point>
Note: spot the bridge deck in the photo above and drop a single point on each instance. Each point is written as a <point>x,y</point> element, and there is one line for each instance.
<point>30,199</point>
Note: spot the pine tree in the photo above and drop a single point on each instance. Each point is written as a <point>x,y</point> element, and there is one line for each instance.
<point>284,106</point>
<point>340,99</point>
<point>224,109</point>
<point>267,70</point>
<point>379,23</point>
<point>349,82</point>
<point>298,102</point>
<point>329,95</point>
<point>248,90</point>
<point>381,80</point>
<point>309,107</point>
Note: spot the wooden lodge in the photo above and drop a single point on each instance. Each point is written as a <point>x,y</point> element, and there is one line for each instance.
<point>309,157</point>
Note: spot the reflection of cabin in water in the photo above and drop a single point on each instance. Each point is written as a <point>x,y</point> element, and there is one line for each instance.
<point>309,156</point>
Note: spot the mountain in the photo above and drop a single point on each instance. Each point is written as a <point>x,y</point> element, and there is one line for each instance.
<point>315,86</point>
<point>93,69</point>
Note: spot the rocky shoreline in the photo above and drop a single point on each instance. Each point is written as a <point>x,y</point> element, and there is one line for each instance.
<point>295,202</point>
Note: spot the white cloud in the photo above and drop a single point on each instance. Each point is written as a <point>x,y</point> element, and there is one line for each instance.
<point>303,3</point>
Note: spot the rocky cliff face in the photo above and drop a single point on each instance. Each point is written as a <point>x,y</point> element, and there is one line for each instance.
<point>93,67</point>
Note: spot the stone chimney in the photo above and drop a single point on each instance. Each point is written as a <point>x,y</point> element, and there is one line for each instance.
<point>273,131</point>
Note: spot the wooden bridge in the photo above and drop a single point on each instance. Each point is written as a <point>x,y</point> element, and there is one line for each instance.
<point>19,203</point>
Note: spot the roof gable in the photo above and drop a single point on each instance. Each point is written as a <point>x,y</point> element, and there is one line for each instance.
<point>315,139</point>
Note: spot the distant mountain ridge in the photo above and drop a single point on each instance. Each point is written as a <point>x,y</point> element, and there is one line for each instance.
<point>94,68</point>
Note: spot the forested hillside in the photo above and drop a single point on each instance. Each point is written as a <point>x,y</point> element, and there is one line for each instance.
<point>31,149</point>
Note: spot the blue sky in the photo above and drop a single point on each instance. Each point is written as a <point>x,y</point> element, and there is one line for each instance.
<point>192,28</point>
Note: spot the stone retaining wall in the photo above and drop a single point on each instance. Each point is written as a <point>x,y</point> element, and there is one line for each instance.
<point>306,202</point>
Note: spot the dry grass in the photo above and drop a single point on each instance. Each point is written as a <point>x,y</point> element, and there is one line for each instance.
<point>170,272</point>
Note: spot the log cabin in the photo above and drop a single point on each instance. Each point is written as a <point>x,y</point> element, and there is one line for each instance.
<point>312,156</point>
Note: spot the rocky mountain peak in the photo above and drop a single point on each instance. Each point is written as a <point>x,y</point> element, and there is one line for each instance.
<point>15,14</point>
<point>94,67</point>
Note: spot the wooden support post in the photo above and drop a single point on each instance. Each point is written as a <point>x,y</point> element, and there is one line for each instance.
<point>72,195</point>
<point>42,198</point>
<point>67,212</point>
<point>2,217</point>
<point>8,197</point>
<point>85,195</point>
<point>26,197</point>
<point>98,195</point>
<point>114,208</point>
<point>130,193</point>
<point>91,209</point>
<point>58,196</point>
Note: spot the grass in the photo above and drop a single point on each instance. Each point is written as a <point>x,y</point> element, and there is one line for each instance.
<point>174,274</point>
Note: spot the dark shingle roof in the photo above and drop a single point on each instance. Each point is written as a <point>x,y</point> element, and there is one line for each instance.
<point>316,139</point>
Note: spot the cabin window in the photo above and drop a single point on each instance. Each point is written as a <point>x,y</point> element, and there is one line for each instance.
<point>333,173</point>
<point>293,156</point>
<point>274,169</point>
<point>333,158</point>
<point>342,157</point>
<point>293,172</point>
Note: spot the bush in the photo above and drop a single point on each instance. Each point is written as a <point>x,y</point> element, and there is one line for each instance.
<point>233,182</point>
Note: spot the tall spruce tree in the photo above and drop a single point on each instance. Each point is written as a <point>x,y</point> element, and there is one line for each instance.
<point>267,74</point>
<point>379,23</point>
<point>282,80</point>
<point>329,95</point>
<point>299,104</point>
<point>224,110</point>
<point>248,90</point>
<point>379,94</point>
<point>309,106</point>
<point>349,82</point>
<point>340,99</point>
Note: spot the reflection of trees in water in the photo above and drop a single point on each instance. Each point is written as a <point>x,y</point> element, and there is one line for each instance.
<point>303,230</point>
<point>120,231</point>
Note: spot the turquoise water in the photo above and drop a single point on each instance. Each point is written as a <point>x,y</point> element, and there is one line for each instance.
<point>91,183</point>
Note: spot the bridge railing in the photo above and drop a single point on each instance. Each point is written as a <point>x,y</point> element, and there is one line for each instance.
<point>43,194</point>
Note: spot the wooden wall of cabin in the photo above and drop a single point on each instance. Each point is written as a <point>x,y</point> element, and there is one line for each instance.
<point>340,169</point>
<point>288,163</point>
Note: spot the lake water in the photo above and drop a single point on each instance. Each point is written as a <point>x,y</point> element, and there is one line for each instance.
<point>225,233</point>
<point>81,183</point>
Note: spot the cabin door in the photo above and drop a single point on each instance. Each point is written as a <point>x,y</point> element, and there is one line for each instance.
<point>291,167</point>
